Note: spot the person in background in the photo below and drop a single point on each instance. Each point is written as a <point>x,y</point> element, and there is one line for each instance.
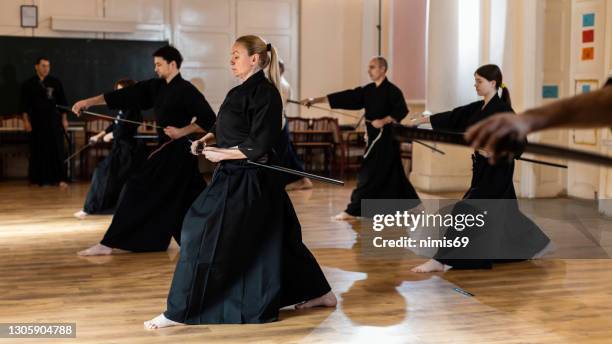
<point>125,156</point>
<point>47,126</point>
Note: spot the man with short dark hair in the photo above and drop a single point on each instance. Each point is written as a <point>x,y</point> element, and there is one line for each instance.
<point>39,96</point>
<point>154,201</point>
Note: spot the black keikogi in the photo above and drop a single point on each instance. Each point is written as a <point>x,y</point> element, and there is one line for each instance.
<point>39,99</point>
<point>126,156</point>
<point>155,198</point>
<point>242,256</point>
<point>381,175</point>
<point>509,234</point>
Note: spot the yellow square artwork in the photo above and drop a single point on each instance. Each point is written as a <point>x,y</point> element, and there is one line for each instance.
<point>588,54</point>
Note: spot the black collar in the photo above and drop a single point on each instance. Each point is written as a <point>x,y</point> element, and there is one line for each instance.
<point>383,83</point>
<point>177,78</point>
<point>493,100</point>
<point>253,80</point>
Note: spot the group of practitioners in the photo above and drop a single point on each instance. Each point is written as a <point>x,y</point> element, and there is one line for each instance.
<point>242,258</point>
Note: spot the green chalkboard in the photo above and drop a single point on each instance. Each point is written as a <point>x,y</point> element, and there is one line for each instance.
<point>86,67</point>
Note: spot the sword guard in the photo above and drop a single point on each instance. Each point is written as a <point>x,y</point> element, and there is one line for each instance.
<point>200,147</point>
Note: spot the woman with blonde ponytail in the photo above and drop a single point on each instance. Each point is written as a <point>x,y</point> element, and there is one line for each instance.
<point>242,256</point>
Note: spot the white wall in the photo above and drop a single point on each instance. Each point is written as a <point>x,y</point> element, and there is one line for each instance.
<point>338,39</point>
<point>330,53</point>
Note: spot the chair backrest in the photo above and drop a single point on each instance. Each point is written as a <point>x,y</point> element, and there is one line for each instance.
<point>298,123</point>
<point>12,121</point>
<point>94,126</point>
<point>149,128</point>
<point>328,124</point>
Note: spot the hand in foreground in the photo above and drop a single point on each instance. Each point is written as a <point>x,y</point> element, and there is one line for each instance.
<point>498,134</point>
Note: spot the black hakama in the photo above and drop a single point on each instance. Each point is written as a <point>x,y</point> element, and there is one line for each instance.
<point>126,155</point>
<point>39,99</point>
<point>155,199</point>
<point>510,235</point>
<point>287,156</point>
<point>381,175</point>
<point>242,256</point>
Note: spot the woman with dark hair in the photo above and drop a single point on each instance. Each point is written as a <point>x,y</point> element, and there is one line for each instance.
<point>242,257</point>
<point>517,236</point>
<point>125,156</point>
<point>587,110</point>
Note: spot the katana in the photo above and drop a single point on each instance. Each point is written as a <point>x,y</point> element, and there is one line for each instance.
<point>360,119</point>
<point>201,146</point>
<point>65,108</point>
<point>404,133</point>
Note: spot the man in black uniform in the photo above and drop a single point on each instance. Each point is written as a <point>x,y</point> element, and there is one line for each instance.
<point>381,175</point>
<point>155,199</point>
<point>39,96</point>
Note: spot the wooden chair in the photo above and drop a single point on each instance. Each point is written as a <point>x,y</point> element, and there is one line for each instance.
<point>148,129</point>
<point>353,145</point>
<point>91,157</point>
<point>13,139</point>
<point>312,136</point>
<point>296,125</point>
<point>331,125</point>
<point>12,121</point>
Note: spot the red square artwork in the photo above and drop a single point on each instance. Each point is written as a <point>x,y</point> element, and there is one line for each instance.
<point>588,36</point>
<point>588,54</point>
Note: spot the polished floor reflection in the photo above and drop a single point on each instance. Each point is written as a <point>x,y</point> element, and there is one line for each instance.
<point>380,300</point>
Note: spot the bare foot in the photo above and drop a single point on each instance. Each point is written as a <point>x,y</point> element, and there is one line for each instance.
<point>431,265</point>
<point>343,216</point>
<point>63,185</point>
<point>96,250</point>
<point>302,184</point>
<point>160,321</point>
<point>81,214</point>
<point>98,260</point>
<point>327,300</point>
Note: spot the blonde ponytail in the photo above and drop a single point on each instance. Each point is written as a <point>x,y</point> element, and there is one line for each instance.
<point>268,57</point>
<point>274,69</point>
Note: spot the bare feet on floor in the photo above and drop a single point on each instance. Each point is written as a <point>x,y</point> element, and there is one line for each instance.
<point>327,300</point>
<point>431,265</point>
<point>301,184</point>
<point>160,321</point>
<point>63,185</point>
<point>81,214</point>
<point>343,216</point>
<point>96,250</point>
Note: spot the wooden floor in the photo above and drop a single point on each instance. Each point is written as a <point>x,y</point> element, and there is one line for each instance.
<point>380,301</point>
